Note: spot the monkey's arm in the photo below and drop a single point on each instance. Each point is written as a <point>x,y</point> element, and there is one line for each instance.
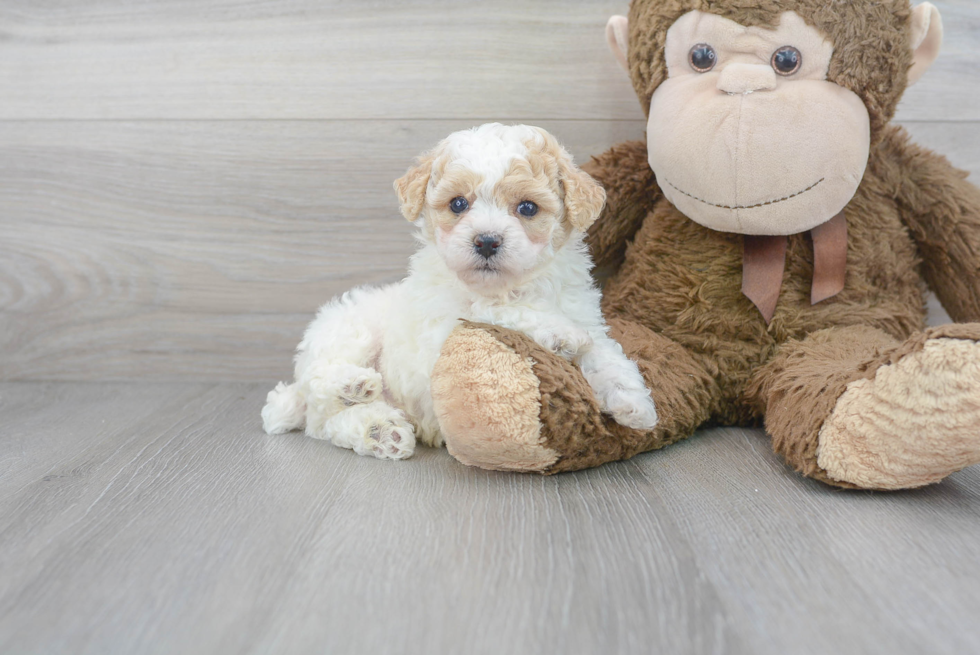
<point>942,211</point>
<point>631,190</point>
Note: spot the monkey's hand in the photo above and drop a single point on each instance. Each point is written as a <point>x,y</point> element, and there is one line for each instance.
<point>942,212</point>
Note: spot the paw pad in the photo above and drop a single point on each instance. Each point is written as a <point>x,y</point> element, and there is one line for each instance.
<point>391,440</point>
<point>362,389</point>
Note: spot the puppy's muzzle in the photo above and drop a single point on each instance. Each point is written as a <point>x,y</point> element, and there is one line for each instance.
<point>486,245</point>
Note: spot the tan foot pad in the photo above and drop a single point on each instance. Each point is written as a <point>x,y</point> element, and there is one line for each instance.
<point>915,422</point>
<point>487,400</point>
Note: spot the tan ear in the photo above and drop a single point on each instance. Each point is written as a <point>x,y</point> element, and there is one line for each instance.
<point>617,36</point>
<point>584,197</point>
<point>410,187</point>
<point>927,39</point>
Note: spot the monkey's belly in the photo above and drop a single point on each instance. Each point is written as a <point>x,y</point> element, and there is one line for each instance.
<point>684,281</point>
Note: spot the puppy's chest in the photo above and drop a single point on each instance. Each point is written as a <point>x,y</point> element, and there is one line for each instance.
<point>515,309</point>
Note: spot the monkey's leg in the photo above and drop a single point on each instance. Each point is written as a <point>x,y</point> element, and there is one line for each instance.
<point>855,408</point>
<point>506,403</point>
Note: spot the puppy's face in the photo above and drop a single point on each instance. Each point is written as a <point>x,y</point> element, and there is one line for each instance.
<point>498,202</point>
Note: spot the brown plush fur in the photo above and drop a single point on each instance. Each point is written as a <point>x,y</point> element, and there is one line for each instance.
<point>624,168</point>
<point>939,208</point>
<point>676,303</point>
<point>683,281</point>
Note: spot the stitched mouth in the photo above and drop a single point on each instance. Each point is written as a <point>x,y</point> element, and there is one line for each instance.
<point>761,204</point>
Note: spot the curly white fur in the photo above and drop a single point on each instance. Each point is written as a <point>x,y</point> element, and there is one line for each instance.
<point>363,366</point>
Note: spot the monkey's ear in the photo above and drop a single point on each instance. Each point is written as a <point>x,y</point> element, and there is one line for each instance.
<point>927,38</point>
<point>617,36</point>
<point>584,197</point>
<point>410,187</point>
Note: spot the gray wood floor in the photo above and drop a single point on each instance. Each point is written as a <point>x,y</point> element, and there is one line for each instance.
<point>158,518</point>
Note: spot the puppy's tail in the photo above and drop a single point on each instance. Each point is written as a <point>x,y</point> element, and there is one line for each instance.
<point>285,409</point>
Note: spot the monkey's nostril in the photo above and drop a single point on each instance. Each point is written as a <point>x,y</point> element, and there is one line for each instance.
<point>486,245</point>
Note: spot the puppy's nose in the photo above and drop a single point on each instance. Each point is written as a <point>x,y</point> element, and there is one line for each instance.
<point>486,244</point>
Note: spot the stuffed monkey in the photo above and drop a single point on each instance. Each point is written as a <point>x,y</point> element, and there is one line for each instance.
<point>774,238</point>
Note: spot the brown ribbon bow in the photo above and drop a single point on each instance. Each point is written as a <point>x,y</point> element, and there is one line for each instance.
<point>764,262</point>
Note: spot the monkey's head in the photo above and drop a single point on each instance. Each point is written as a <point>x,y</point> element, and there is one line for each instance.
<point>762,113</point>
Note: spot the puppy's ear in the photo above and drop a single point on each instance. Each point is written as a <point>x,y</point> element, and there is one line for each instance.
<point>584,197</point>
<point>410,187</point>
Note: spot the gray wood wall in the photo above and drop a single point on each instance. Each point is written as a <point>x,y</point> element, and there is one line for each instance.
<point>182,183</point>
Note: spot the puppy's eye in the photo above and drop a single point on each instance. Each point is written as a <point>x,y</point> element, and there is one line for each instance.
<point>458,205</point>
<point>787,60</point>
<point>527,209</point>
<point>702,57</point>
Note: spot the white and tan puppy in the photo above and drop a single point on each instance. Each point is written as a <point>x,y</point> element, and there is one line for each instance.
<point>501,212</point>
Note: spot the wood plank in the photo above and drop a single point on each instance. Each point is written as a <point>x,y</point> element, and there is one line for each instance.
<point>170,523</point>
<point>803,567</point>
<point>261,59</point>
<point>192,532</point>
<point>175,250</point>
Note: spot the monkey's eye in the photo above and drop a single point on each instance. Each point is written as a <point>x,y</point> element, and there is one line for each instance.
<point>527,209</point>
<point>458,205</point>
<point>787,60</point>
<point>702,57</point>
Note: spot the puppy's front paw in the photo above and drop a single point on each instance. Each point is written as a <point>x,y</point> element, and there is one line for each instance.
<point>619,387</point>
<point>632,408</point>
<point>567,341</point>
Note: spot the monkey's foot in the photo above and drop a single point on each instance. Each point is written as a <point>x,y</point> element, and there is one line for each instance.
<point>914,421</point>
<point>505,402</point>
<point>487,398</point>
